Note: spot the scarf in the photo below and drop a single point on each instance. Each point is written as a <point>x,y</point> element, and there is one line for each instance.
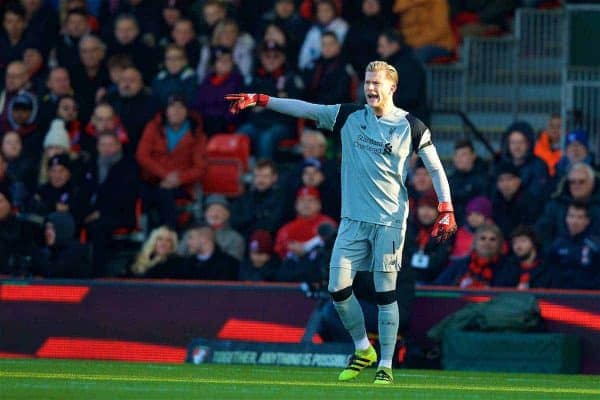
<point>174,137</point>
<point>480,272</point>
<point>526,269</point>
<point>104,165</point>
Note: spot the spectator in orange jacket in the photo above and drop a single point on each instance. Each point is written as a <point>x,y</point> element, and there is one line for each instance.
<point>425,25</point>
<point>548,144</point>
<point>171,157</point>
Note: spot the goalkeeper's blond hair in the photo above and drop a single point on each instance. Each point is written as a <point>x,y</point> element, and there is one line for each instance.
<point>390,71</point>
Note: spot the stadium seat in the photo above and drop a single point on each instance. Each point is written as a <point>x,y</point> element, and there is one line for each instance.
<point>224,176</point>
<point>229,146</point>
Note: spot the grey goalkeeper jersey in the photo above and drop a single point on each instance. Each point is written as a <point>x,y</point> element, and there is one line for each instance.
<point>375,157</point>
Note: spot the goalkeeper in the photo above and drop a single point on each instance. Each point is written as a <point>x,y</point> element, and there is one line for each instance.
<point>377,142</point>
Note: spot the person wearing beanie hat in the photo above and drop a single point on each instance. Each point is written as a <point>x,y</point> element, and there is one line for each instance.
<point>217,214</point>
<point>477,212</point>
<point>260,264</point>
<point>576,150</point>
<point>61,256</point>
<point>60,193</point>
<point>512,204</point>
<point>57,135</point>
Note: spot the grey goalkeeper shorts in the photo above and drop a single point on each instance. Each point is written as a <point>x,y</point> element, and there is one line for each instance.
<point>363,246</point>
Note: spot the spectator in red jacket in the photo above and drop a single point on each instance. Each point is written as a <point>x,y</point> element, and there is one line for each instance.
<point>299,236</point>
<point>171,157</point>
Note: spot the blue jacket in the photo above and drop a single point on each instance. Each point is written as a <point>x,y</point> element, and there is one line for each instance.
<point>576,261</point>
<point>166,84</point>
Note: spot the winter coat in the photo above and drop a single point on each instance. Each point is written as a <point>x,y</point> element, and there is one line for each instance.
<point>209,100</point>
<point>467,185</point>
<point>156,161</point>
<point>521,209</point>
<point>218,267</point>
<point>258,210</point>
<point>311,47</point>
<point>166,84</point>
<point>329,82</point>
<point>454,272</point>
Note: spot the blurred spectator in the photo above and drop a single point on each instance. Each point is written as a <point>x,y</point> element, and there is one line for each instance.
<point>331,80</point>
<point>410,92</point>
<point>217,214</point>
<point>205,259</point>
<point>517,148</point>
<point>285,15</point>
<point>299,237</point>
<point>116,64</point>
<point>313,175</point>
<point>549,142</point>
<point>209,99</point>
<point>171,157</point>
<point>576,150</point>
<point>90,75</point>
<point>262,206</point>
<point>261,264</point>
<point>469,177</point>
<point>273,77</point>
<point>420,183</point>
<point>16,238</point>
<point>481,268</point>
<point>110,185</point>
<point>227,34</point>
<point>213,12</point>
<point>425,25</point>
<point>176,78</point>
<point>147,13</point>
<point>275,33</point>
<point>326,19</point>
<point>158,259</point>
<point>360,46</point>
<point>57,142</point>
<point>580,185</point>
<point>37,70</point>
<point>21,115</point>
<point>477,213</point>
<point>11,185</point>
<point>80,143</point>
<point>67,6</point>
<point>21,170</point>
<point>171,12</point>
<point>104,120</point>
<point>61,256</point>
<point>58,85</point>
<point>42,24</point>
<point>423,253</point>
<point>575,254</point>
<point>75,26</point>
<point>313,146</point>
<point>16,81</point>
<point>13,41</point>
<point>127,39</point>
<point>512,204</point>
<point>183,35</point>
<point>525,268</point>
<point>481,17</point>
<point>134,104</point>
<point>60,193</point>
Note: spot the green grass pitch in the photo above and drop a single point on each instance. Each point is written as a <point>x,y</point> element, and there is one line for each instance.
<point>68,379</point>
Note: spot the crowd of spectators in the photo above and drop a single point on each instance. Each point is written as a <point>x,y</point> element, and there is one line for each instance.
<point>106,109</point>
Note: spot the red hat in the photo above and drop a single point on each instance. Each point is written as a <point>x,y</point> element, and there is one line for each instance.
<point>261,242</point>
<point>308,191</point>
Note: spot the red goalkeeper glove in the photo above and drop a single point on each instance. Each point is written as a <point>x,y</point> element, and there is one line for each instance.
<point>240,101</point>
<point>445,224</point>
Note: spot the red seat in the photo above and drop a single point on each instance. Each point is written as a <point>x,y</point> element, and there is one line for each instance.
<point>229,146</point>
<point>224,176</point>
